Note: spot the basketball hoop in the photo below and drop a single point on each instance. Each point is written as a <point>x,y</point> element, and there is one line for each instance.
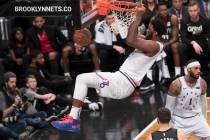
<point>124,12</point>
<point>121,6</point>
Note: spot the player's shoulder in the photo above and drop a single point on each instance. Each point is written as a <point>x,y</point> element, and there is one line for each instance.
<point>158,44</point>
<point>177,81</point>
<point>203,82</point>
<point>175,87</point>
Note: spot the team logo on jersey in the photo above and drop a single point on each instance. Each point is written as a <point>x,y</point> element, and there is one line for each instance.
<point>104,83</point>
<point>101,27</point>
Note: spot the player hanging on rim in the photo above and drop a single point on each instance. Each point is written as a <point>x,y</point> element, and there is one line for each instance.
<point>120,84</point>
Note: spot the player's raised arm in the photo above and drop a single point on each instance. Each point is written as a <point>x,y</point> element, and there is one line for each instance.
<point>133,29</point>
<point>149,47</point>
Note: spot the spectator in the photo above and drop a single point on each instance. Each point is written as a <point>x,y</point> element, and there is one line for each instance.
<point>194,34</point>
<point>43,100</point>
<point>204,6</point>
<point>56,83</point>
<point>18,51</point>
<point>170,38</point>
<point>2,69</point>
<point>39,97</point>
<point>4,54</point>
<point>11,130</point>
<point>178,9</point>
<point>165,131</point>
<point>79,52</point>
<point>105,39</point>
<point>84,55</point>
<point>168,3</point>
<point>50,41</point>
<point>15,105</point>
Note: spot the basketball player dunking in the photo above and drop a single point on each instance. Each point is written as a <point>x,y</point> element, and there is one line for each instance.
<point>122,83</point>
<point>187,102</point>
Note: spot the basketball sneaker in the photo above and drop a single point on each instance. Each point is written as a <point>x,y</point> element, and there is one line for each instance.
<point>67,124</point>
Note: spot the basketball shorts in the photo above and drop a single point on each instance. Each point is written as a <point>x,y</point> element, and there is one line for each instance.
<point>196,125</point>
<point>114,85</point>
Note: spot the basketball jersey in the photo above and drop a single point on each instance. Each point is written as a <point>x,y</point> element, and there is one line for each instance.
<point>188,101</point>
<point>104,34</point>
<point>137,64</point>
<point>167,35</point>
<point>170,134</point>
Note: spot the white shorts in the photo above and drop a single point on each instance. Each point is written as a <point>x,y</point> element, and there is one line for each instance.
<point>196,125</point>
<point>114,85</point>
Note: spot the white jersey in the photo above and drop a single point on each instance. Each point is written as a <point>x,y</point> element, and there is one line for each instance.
<point>188,101</point>
<point>137,64</point>
<point>105,36</point>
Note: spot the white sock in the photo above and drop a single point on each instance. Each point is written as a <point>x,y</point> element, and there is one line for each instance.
<point>177,71</point>
<point>75,112</point>
<point>66,74</point>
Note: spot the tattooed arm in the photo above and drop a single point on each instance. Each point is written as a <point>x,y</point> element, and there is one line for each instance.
<point>203,97</point>
<point>173,92</point>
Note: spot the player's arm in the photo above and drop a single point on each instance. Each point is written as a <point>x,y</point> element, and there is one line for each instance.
<point>203,97</point>
<point>149,137</point>
<point>181,135</point>
<point>95,58</point>
<point>175,31</point>
<point>149,47</point>
<point>173,92</point>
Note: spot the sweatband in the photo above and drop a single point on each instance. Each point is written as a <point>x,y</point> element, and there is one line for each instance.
<point>170,102</point>
<point>193,64</point>
<point>204,104</point>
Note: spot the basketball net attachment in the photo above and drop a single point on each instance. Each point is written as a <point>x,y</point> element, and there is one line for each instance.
<point>124,12</point>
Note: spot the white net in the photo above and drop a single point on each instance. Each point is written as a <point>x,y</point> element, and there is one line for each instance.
<point>123,18</point>
<point>122,21</point>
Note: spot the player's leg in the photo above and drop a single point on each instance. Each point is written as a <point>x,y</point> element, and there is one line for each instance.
<point>184,124</point>
<point>71,122</point>
<point>202,129</point>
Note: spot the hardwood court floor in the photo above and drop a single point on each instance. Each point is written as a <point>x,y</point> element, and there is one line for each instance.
<point>153,126</point>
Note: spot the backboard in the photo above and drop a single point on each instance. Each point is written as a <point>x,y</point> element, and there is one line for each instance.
<point>88,10</point>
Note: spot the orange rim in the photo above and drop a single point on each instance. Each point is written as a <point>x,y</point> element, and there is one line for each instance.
<point>103,6</point>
